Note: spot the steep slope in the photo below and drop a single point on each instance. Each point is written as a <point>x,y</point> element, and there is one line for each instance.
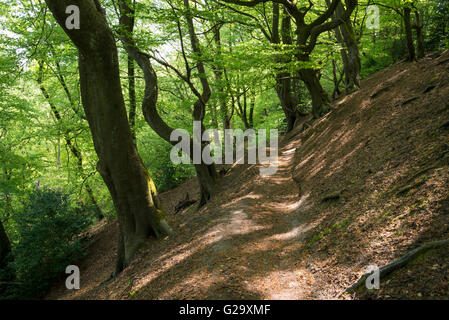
<point>361,186</point>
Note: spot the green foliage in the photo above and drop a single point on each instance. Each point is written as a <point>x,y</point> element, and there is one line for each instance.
<point>165,174</point>
<point>47,241</point>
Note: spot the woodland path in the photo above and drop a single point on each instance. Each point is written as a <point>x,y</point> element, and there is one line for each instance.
<point>259,232</point>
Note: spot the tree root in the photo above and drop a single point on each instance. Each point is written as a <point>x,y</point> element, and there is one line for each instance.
<point>385,88</point>
<point>333,196</point>
<point>409,187</point>
<point>184,204</point>
<point>401,104</point>
<point>399,263</point>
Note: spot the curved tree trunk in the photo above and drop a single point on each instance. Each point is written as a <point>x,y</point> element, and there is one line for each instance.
<point>285,86</point>
<point>307,36</point>
<point>199,107</point>
<point>206,178</point>
<point>288,102</point>
<point>132,190</point>
<point>350,51</point>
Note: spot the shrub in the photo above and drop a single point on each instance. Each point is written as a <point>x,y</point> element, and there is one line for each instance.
<point>47,242</point>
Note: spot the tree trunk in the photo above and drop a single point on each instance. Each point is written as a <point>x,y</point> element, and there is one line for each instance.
<point>409,35</point>
<point>207,179</point>
<point>350,51</point>
<point>251,109</point>
<point>7,274</point>
<point>419,35</point>
<point>284,85</point>
<point>288,103</point>
<point>132,190</point>
<point>5,246</point>
<point>307,36</point>
<point>220,83</point>
<point>242,109</point>
<point>132,97</point>
<point>320,98</point>
<point>336,92</point>
<point>149,102</point>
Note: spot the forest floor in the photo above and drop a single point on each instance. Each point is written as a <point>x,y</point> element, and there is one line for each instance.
<point>361,186</point>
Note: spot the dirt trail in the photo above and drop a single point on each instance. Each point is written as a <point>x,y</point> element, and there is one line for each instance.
<point>261,225</point>
<point>363,185</point>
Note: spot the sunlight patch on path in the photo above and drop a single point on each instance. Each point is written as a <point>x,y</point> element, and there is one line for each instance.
<point>282,284</point>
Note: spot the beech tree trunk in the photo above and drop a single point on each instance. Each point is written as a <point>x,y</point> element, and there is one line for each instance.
<point>320,98</point>
<point>336,80</point>
<point>131,82</point>
<point>132,190</point>
<point>288,102</point>
<point>251,109</point>
<point>419,35</point>
<point>284,85</point>
<point>132,97</point>
<point>6,273</point>
<point>307,35</point>
<point>350,50</point>
<point>206,178</point>
<point>409,34</point>
<point>220,85</point>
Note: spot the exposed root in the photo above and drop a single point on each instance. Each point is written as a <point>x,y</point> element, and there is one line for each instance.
<point>380,91</point>
<point>409,187</point>
<point>332,196</point>
<point>399,263</point>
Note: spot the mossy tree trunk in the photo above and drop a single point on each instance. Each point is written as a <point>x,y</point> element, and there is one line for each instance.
<point>132,190</point>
